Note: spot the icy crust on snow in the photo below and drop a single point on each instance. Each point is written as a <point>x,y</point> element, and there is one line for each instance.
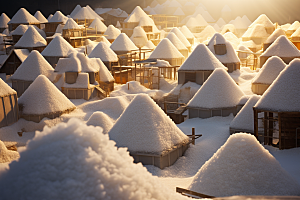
<point>186,32</point>
<point>263,20</point>
<point>165,49</point>
<point>6,155</point>
<point>98,25</point>
<point>282,47</point>
<point>99,118</point>
<point>243,163</point>
<point>34,65</point>
<point>58,47</point>
<point>42,97</point>
<point>136,15</point>
<point>278,32</point>
<point>181,37</point>
<point>176,42</point>
<point>4,19</point>
<point>201,59</point>
<point>31,38</point>
<point>58,17</point>
<point>256,31</point>
<point>71,24</point>
<point>218,91</point>
<point>5,89</point>
<point>85,165</point>
<point>269,71</point>
<point>144,128</point>
<point>244,119</point>
<point>112,32</point>
<point>39,16</point>
<point>282,95</point>
<point>23,16</point>
<point>123,43</point>
<point>104,52</point>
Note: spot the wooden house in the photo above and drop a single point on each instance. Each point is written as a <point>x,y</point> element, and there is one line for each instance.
<point>178,44</point>
<point>56,19</point>
<point>4,19</point>
<point>278,32</point>
<point>112,33</point>
<point>123,45</point>
<point>111,15</point>
<point>72,33</point>
<point>265,22</point>
<point>22,17</point>
<point>15,58</point>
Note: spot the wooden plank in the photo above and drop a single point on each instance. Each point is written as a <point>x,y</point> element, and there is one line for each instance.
<point>185,191</point>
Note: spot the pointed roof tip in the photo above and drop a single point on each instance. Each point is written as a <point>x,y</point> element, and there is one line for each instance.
<point>165,49</point>
<point>23,16</point>
<point>58,17</point>
<point>31,38</point>
<point>112,32</point>
<point>71,24</point>
<point>75,10</point>
<point>226,8</point>
<point>175,41</point>
<point>99,118</point>
<point>4,19</point>
<point>83,13</point>
<point>186,32</point>
<point>136,14</point>
<point>181,37</point>
<point>98,25</point>
<point>263,20</point>
<point>39,16</point>
<point>58,47</point>
<point>5,89</point>
<point>104,52</point>
<point>123,43</point>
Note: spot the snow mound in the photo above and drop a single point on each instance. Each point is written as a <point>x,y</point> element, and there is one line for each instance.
<point>282,47</point>
<point>31,38</point>
<point>98,25</point>
<point>218,91</point>
<point>104,52</point>
<point>243,167</point>
<point>283,94</point>
<point>39,16</point>
<point>175,41</point>
<point>6,155</point>
<point>76,161</point>
<point>201,59</point>
<point>111,32</point>
<point>42,97</point>
<point>58,47</point>
<point>5,89</point>
<point>269,71</point>
<point>134,88</point>
<point>278,32</point>
<point>71,24</point>
<point>123,43</point>
<point>144,127</point>
<point>23,16</point>
<point>99,118</point>
<point>165,49</point>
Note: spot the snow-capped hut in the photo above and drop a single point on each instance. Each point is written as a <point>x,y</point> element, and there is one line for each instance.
<point>278,32</point>
<point>72,33</point>
<point>84,17</point>
<point>112,33</point>
<point>230,37</point>
<point>22,17</point>
<point>198,66</point>
<point>165,50</point>
<point>182,38</point>
<point>151,143</point>
<point>221,22</point>
<point>101,119</point>
<point>42,19</point>
<point>265,22</point>
<point>196,24</point>
<point>178,44</point>
<point>295,38</point>
<point>224,52</point>
<point>243,53</point>
<point>292,28</point>
<point>15,58</point>
<point>21,29</point>
<point>4,19</point>
<point>43,99</point>
<point>139,37</point>
<point>281,108</point>
<point>34,65</point>
<point>97,26</point>
<point>282,48</point>
<point>9,111</point>
<point>56,19</point>
<point>106,55</point>
<point>150,28</point>
<point>256,33</point>
<point>31,40</point>
<point>75,10</point>
<point>207,33</point>
<point>56,49</point>
<point>112,16</point>
<point>106,80</point>
<point>123,45</point>
<point>188,34</point>
<point>268,73</point>
<point>226,13</point>
<point>218,96</point>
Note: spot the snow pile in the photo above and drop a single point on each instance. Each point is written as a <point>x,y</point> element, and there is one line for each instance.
<point>84,163</point>
<point>58,47</point>
<point>4,19</point>
<point>235,41</point>
<point>269,71</point>
<point>283,94</point>
<point>123,43</point>
<point>282,47</point>
<point>136,15</point>
<point>186,32</point>
<point>34,65</point>
<point>23,17</point>
<point>42,97</point>
<point>71,24</point>
<point>165,49</point>
<point>6,155</point>
<point>98,25</point>
<point>219,91</point>
<point>134,88</point>
<point>256,31</point>
<point>83,13</point>
<point>244,120</point>
<point>31,38</point>
<point>264,21</point>
<point>181,37</point>
<point>99,118</point>
<point>139,36</point>
<point>76,9</point>
<point>39,16</point>
<point>278,32</point>
<point>201,59</point>
<point>5,89</point>
<point>104,52</point>
<point>175,41</point>
<point>207,33</point>
<point>243,167</point>
<point>58,17</point>
<point>144,128</point>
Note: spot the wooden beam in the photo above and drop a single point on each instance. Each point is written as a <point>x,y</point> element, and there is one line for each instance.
<point>185,191</point>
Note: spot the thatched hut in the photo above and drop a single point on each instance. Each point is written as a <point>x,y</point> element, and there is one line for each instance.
<point>22,17</point>
<point>4,19</point>
<point>282,48</point>
<point>84,17</point>
<point>21,29</point>
<point>97,26</point>
<point>123,45</point>
<point>182,38</point>
<point>257,33</point>
<point>112,33</point>
<point>73,33</point>
<point>188,34</point>
<point>278,32</point>
<point>9,111</point>
<point>268,73</point>
<point>281,109</point>
<point>198,66</point>
<point>178,44</point>
<point>56,19</point>
<point>151,143</point>
<point>42,99</point>
<point>34,65</point>
<point>15,58</point>
<point>42,19</point>
<point>265,22</point>
<point>218,96</point>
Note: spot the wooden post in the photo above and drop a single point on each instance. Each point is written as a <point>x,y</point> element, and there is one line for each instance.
<point>271,128</point>
<point>193,136</point>
<point>266,138</point>
<point>279,125</point>
<point>128,85</point>
<point>255,124</point>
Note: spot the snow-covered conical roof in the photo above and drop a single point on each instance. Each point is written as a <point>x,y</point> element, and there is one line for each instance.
<point>93,13</point>
<point>150,131</point>
<point>221,22</point>
<point>186,32</point>
<point>4,19</point>
<point>239,23</point>
<point>256,31</point>
<point>31,38</point>
<point>246,20</point>
<point>139,36</point>
<point>23,16</point>
<point>230,37</point>
<point>43,97</point>
<point>98,25</point>
<point>49,17</point>
<point>99,118</point>
<point>154,3</point>
<point>104,52</point>
<point>218,91</point>
<point>179,12</point>
<point>201,59</point>
<point>283,94</point>
<point>112,32</point>
<point>39,16</point>
<point>165,49</point>
<point>294,26</point>
<point>208,17</point>
<point>135,15</point>
<point>147,21</point>
<point>33,66</point>
<point>123,43</point>
<point>105,75</point>
<point>296,33</point>
<point>149,45</point>
<point>5,89</point>
<point>21,29</point>
<point>263,20</point>
<point>76,9</point>
<point>175,41</point>
<point>83,13</point>
<point>196,21</point>
<point>71,24</point>
<point>208,32</point>
<point>251,161</point>
<point>181,37</point>
<point>278,32</point>
<point>282,47</point>
<point>58,47</point>
<point>58,17</point>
